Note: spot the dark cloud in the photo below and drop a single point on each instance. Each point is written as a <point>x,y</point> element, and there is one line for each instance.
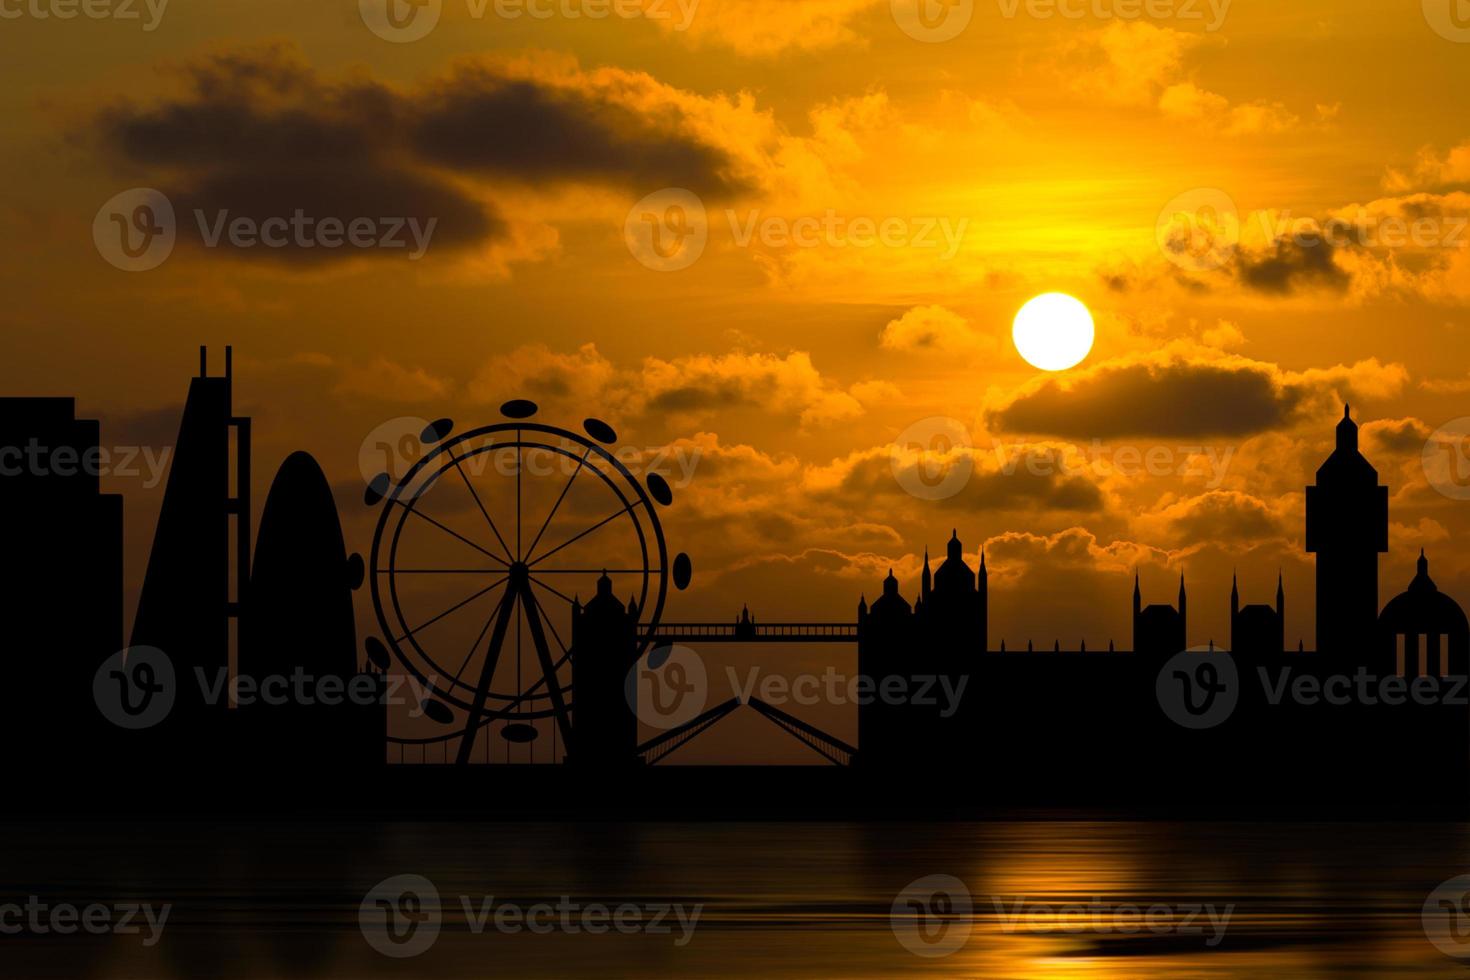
<point>1224,516</point>
<point>1030,481</point>
<point>526,131</point>
<point>1291,266</point>
<point>259,134</point>
<point>1397,436</point>
<point>1180,399</point>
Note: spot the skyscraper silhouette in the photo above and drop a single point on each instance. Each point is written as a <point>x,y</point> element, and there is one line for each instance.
<point>1347,529</point>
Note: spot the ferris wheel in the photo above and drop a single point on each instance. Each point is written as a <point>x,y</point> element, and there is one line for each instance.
<point>484,546</point>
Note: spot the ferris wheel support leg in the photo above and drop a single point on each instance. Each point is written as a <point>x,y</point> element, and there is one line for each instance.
<point>487,672</point>
<point>548,669</point>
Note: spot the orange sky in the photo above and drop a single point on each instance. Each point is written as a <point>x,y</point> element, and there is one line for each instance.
<point>1025,154</point>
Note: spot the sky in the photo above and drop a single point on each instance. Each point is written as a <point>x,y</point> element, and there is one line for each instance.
<point>783,242</point>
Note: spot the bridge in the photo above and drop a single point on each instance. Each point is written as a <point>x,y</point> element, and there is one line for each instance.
<point>749,632</point>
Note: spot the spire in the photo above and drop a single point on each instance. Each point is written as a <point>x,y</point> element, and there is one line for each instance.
<point>927,581</point>
<point>1280,591</point>
<point>1347,431</point>
<point>1234,594</point>
<point>956,550</point>
<point>983,571</point>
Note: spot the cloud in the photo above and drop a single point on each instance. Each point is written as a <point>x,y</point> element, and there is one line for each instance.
<point>386,380</point>
<point>1184,391</point>
<point>681,390</point>
<point>1288,266</point>
<point>1134,63</point>
<point>1224,518</point>
<point>932,328</point>
<point>786,385</point>
<point>1025,477</point>
<point>1395,436</point>
<point>261,134</point>
<point>766,28</point>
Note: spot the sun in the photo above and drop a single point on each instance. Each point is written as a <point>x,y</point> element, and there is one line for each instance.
<point>1053,332</point>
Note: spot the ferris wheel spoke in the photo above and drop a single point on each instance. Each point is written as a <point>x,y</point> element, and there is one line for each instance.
<point>598,571</point>
<point>454,608</point>
<point>459,465</point>
<point>598,526</point>
<point>450,531</point>
<point>559,594</point>
<point>508,605</point>
<point>557,506</point>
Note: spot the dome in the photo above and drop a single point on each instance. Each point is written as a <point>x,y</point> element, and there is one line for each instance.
<point>1424,610</point>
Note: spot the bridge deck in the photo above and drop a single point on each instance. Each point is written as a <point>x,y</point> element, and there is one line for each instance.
<point>754,633</point>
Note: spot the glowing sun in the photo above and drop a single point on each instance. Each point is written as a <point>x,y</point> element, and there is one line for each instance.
<point>1053,332</point>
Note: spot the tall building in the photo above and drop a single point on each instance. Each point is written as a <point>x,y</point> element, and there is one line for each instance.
<point>61,606</point>
<point>604,650</point>
<point>189,606</point>
<point>1347,529</point>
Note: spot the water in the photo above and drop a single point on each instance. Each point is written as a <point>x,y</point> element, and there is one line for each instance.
<point>282,899</point>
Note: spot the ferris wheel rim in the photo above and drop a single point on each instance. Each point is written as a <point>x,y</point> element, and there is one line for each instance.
<point>447,450</point>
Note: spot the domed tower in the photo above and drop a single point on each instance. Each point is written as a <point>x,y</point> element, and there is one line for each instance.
<point>604,650</point>
<point>1423,632</point>
<point>1347,529</point>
